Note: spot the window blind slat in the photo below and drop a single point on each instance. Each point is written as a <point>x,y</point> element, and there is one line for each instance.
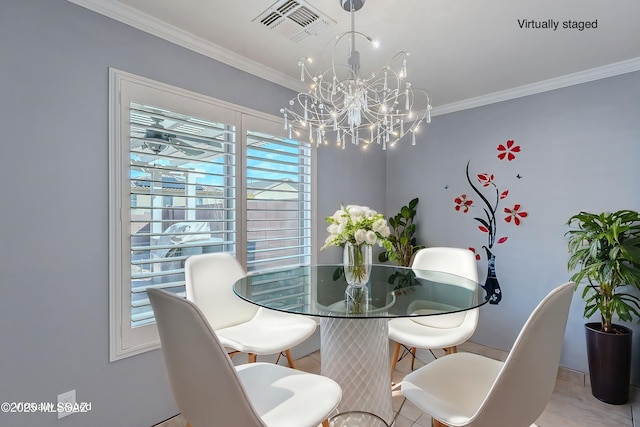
<point>182,176</point>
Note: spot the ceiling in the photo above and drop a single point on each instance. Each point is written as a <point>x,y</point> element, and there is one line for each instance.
<point>461,50</point>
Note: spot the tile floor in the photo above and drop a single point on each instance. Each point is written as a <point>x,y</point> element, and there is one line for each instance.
<point>571,404</point>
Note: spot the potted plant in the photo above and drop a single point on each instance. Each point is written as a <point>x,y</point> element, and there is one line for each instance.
<point>605,254</point>
<point>403,245</point>
<point>402,237</point>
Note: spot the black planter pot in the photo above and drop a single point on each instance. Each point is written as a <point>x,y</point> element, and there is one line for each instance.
<point>609,356</point>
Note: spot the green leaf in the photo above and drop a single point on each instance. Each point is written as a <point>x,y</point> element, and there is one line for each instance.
<point>604,250</point>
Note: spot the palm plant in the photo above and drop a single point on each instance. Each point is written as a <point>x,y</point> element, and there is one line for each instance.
<point>605,248</point>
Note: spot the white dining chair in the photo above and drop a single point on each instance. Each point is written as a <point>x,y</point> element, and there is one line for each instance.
<point>445,331</point>
<point>210,391</point>
<point>466,389</point>
<point>241,326</point>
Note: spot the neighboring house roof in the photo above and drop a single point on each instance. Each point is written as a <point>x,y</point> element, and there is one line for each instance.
<point>257,189</point>
<point>284,189</point>
<point>174,183</point>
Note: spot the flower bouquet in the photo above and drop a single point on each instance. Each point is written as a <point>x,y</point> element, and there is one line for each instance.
<point>356,229</point>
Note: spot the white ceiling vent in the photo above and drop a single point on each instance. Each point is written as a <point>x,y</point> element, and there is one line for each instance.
<point>294,19</point>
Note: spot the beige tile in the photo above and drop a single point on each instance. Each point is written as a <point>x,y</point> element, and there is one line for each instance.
<point>571,376</point>
<point>423,421</point>
<point>310,364</point>
<point>574,406</point>
<point>401,421</point>
<point>410,411</point>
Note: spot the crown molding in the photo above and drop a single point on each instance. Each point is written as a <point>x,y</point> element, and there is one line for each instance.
<point>592,74</point>
<point>134,18</point>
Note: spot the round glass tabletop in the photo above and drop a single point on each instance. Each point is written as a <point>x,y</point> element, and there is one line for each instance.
<point>321,290</point>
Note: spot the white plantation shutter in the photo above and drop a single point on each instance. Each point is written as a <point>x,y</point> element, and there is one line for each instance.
<point>278,183</point>
<point>189,175</point>
<point>182,198</point>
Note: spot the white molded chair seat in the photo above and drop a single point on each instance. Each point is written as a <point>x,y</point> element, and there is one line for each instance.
<point>267,332</point>
<point>465,389</point>
<point>445,331</point>
<point>416,335</point>
<point>240,325</point>
<point>210,391</point>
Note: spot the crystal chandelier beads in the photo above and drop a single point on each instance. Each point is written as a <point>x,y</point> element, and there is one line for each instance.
<point>381,108</point>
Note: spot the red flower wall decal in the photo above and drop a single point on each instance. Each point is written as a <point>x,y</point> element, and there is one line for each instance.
<point>485,179</point>
<point>477,255</point>
<point>462,203</point>
<point>490,196</point>
<point>508,150</point>
<point>515,214</point>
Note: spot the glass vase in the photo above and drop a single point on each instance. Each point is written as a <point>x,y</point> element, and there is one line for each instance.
<point>357,264</point>
<point>356,299</point>
<point>357,269</point>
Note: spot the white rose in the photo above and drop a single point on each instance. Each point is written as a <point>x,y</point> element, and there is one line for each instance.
<point>360,210</point>
<point>333,229</point>
<point>360,236</point>
<point>338,215</point>
<point>378,224</point>
<point>371,237</point>
<point>385,231</point>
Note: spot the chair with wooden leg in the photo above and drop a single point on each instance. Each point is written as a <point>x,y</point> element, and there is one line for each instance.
<point>241,326</point>
<point>442,331</point>
<point>210,391</point>
<point>467,389</point>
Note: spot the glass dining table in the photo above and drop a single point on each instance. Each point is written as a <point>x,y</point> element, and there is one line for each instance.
<point>354,342</point>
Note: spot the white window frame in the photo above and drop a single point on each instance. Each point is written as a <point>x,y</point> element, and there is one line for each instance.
<point>126,341</point>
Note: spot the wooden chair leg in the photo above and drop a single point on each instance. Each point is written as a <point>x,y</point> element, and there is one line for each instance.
<point>188,424</point>
<point>451,350</point>
<point>252,357</point>
<point>325,423</point>
<point>437,423</point>
<point>394,360</point>
<point>287,352</point>
<point>413,356</point>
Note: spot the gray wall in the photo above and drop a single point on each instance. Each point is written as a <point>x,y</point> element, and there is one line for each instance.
<point>361,182</point>
<point>580,151</point>
<point>54,226</point>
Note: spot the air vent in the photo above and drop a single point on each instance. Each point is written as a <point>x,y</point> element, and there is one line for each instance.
<point>294,19</point>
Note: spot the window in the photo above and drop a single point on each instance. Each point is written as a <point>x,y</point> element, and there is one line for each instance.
<point>278,176</point>
<point>191,175</point>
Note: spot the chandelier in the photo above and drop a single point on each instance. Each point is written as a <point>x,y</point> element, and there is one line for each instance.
<point>343,104</point>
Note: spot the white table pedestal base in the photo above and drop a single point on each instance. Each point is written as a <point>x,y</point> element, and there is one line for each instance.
<point>355,354</point>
